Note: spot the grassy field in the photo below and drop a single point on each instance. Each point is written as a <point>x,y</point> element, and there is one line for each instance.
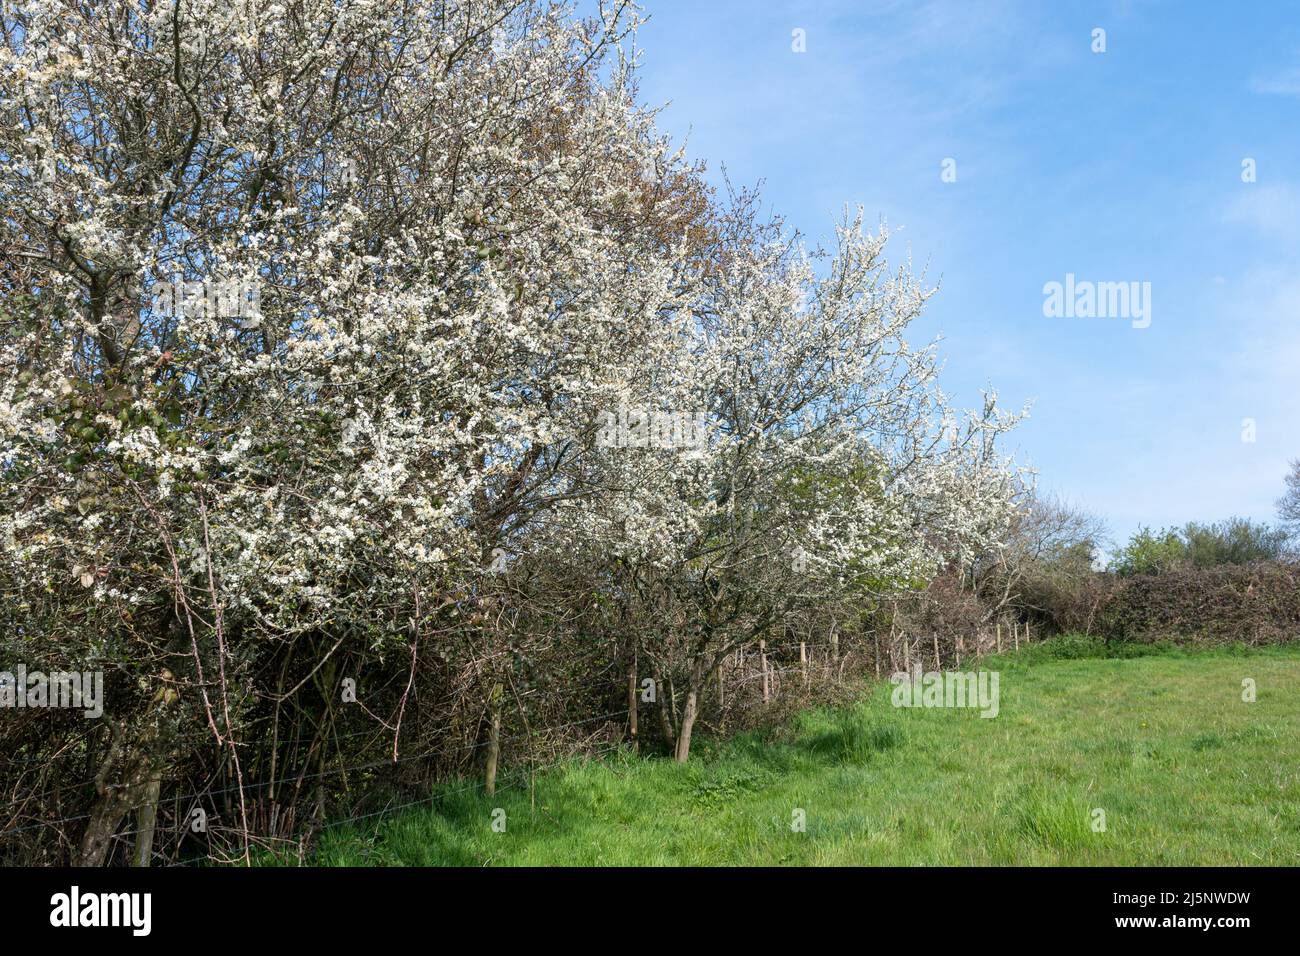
<point>1186,772</point>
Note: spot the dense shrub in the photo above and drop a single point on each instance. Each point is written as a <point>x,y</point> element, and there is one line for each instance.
<point>944,608</point>
<point>1257,603</point>
<point>1235,541</point>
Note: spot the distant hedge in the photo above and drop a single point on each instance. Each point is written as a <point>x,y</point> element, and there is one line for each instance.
<point>1252,603</point>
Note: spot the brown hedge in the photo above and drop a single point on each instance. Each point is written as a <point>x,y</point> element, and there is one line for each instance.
<point>1252,603</point>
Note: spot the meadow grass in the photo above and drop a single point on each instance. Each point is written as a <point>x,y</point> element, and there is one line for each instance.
<point>1159,738</point>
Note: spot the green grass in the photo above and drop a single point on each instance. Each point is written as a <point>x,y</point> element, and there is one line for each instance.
<point>1157,738</point>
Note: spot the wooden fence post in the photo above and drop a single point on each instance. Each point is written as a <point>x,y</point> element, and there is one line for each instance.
<point>938,661</point>
<point>494,740</point>
<point>762,663</point>
<point>631,693</point>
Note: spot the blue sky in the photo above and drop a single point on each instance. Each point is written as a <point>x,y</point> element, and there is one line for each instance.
<point>1122,166</point>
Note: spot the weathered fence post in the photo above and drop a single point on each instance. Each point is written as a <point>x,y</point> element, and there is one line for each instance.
<point>631,693</point>
<point>494,740</point>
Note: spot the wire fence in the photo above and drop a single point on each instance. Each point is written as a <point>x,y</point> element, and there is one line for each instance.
<point>744,669</point>
<point>333,771</point>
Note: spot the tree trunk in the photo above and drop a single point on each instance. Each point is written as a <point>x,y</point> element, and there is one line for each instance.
<point>104,820</point>
<point>132,788</point>
<point>696,682</point>
<point>665,720</point>
<point>672,702</point>
<point>146,818</point>
<point>683,750</point>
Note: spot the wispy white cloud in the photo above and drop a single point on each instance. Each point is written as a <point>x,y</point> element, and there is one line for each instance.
<point>1270,209</point>
<point>1283,82</point>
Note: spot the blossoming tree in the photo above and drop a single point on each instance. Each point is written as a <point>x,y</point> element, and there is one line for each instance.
<point>310,317</point>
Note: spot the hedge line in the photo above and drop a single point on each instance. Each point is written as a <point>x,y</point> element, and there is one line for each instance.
<point>1252,603</point>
